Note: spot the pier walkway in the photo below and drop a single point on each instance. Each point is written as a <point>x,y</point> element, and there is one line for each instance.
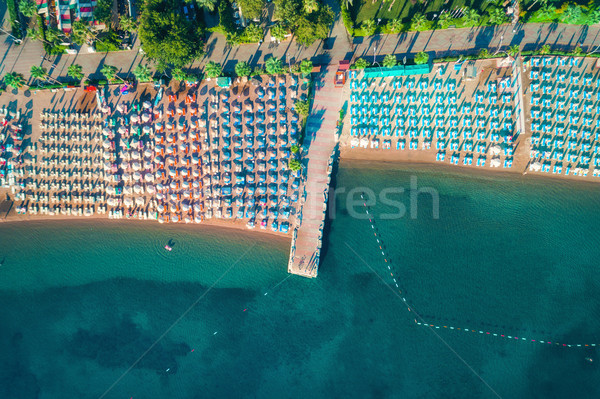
<point>320,140</point>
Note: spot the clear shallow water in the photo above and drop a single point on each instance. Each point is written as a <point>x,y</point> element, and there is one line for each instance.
<point>79,305</point>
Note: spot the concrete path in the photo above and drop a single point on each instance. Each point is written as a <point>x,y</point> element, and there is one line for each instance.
<point>337,47</point>
<point>318,147</point>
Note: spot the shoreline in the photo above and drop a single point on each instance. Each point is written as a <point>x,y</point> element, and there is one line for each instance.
<point>488,174</point>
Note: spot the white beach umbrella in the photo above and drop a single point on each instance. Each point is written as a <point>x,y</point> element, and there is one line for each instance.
<point>150,188</point>
<point>139,201</point>
<point>127,190</point>
<point>535,166</point>
<point>136,166</point>
<point>198,218</point>
<point>160,207</point>
<point>173,185</point>
<point>137,189</point>
<point>495,162</point>
<point>495,150</point>
<point>197,207</point>
<point>173,208</point>
<point>149,177</point>
<point>147,104</point>
<point>128,201</point>
<point>106,144</point>
<point>135,118</point>
<point>185,207</point>
<point>160,196</point>
<point>137,176</point>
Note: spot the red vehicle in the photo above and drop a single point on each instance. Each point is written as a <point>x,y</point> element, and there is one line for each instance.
<point>340,75</point>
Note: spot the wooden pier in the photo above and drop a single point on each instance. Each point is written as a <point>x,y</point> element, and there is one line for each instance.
<point>320,141</point>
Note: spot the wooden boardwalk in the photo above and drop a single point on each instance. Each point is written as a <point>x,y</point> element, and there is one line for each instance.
<point>320,140</point>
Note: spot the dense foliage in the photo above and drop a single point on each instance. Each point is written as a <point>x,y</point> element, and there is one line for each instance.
<point>167,36</point>
<point>308,27</point>
<point>251,8</point>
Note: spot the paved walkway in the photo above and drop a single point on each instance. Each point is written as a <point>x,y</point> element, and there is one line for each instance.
<point>320,142</point>
<point>337,47</point>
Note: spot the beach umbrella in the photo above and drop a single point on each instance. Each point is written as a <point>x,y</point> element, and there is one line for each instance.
<point>128,201</point>
<point>150,188</point>
<point>135,155</point>
<point>170,160</point>
<point>172,172</point>
<point>147,104</point>
<point>173,185</point>
<point>106,144</point>
<point>182,147</point>
<point>139,201</point>
<point>536,166</point>
<point>159,148</point>
<point>197,194</point>
<point>137,189</point>
<point>122,130</point>
<point>198,218</point>
<point>148,153</point>
<point>160,207</point>
<point>120,107</point>
<point>161,219</point>
<point>136,166</point>
<point>182,136</point>
<point>185,193</point>
<point>149,177</point>
<point>185,207</point>
<point>187,219</point>
<point>197,207</point>
<point>495,150</point>
<point>173,208</point>
<point>160,187</point>
<point>135,118</point>
<point>160,196</point>
<point>495,162</point>
<point>196,173</point>
<point>158,174</point>
<point>127,190</point>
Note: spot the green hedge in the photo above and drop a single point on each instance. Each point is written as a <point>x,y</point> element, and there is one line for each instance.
<point>14,16</point>
<point>346,18</point>
<point>226,20</point>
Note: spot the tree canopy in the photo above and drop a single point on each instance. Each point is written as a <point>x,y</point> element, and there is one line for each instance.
<point>167,36</point>
<point>213,69</point>
<point>27,8</point>
<point>207,4</point>
<point>306,67</point>
<point>390,61</point>
<point>274,66</point>
<point>109,72</point>
<point>251,8</point>
<point>14,80</point>
<point>242,68</point>
<point>75,71</point>
<point>307,26</point>
<point>421,58</point>
<point>142,73</point>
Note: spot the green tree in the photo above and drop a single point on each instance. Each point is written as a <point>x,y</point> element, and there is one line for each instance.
<point>288,11</point>
<point>394,26</point>
<point>390,61</point>
<point>142,73</point>
<point>513,50</point>
<point>33,33</point>
<point>279,32</point>
<point>421,58</point>
<point>242,68</point>
<point>302,107</point>
<point>168,37</point>
<point>572,14</point>
<point>545,49</point>
<point>445,20</point>
<point>546,12</point>
<point>577,50</point>
<point>207,4</point>
<point>254,33</point>
<point>75,71</point>
<point>213,69</point>
<point>593,17</point>
<point>38,72</point>
<point>252,8</point>
<point>306,67</point>
<point>27,8</point>
<point>310,6</point>
<point>314,27</point>
<point>180,75</point>
<point>294,149</point>
<point>109,72</point>
<point>484,53</point>
<point>53,35</point>
<point>274,66</point>
<point>497,16</point>
<point>14,80</point>
<point>79,32</point>
<point>103,11</point>
<point>418,22</point>
<point>294,165</point>
<point>369,27</point>
<point>127,24</point>
<point>471,17</point>
<point>360,63</point>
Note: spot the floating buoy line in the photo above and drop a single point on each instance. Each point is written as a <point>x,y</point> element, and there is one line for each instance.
<point>387,263</point>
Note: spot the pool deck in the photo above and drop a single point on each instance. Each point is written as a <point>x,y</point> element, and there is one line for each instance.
<point>320,141</point>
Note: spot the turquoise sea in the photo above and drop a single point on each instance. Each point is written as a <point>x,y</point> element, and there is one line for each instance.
<point>80,304</point>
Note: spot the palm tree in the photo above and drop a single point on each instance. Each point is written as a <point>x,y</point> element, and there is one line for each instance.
<point>369,26</point>
<point>75,71</point>
<point>207,4</point>
<point>513,50</point>
<point>390,61</point>
<point>593,17</point>
<point>242,68</point>
<point>279,32</point>
<point>445,20</point>
<point>572,14</point>
<point>27,8</point>
<point>421,58</point>
<point>14,80</point>
<point>213,69</point>
<point>109,72</point>
<point>127,24</point>
<point>497,16</point>
<point>274,66</point>
<point>484,53</point>
<point>394,26</point>
<point>179,74</point>
<point>471,17</point>
<point>37,72</point>
<point>418,22</point>
<point>546,12</point>
<point>306,67</point>
<point>142,73</point>
<point>545,49</point>
<point>310,6</point>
